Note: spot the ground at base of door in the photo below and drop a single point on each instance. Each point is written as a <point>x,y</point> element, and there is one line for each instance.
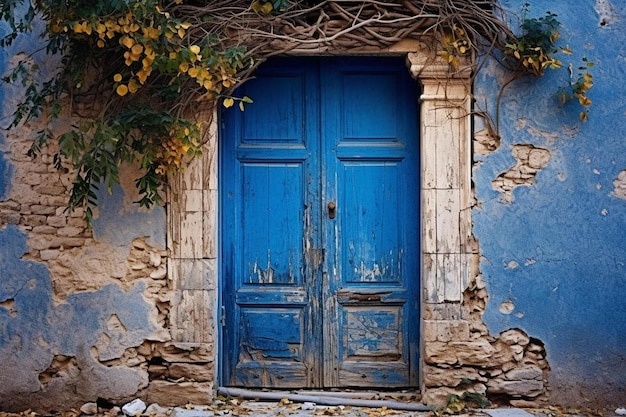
<point>285,408</point>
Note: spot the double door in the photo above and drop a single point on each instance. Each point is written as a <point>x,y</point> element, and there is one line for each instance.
<point>319,181</point>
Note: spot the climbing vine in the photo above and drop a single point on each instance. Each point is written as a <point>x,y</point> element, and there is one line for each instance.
<point>133,73</point>
<point>535,51</point>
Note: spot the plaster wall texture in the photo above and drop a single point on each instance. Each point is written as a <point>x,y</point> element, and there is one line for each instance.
<point>553,250</point>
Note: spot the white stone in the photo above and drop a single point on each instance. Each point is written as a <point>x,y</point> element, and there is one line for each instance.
<point>620,411</point>
<point>156,410</point>
<point>308,406</point>
<point>134,408</point>
<point>89,409</point>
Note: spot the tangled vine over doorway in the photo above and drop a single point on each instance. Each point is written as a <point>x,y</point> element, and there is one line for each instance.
<point>133,73</point>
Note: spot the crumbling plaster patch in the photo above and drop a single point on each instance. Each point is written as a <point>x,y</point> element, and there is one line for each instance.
<point>607,15</point>
<point>619,185</point>
<point>529,161</point>
<point>461,356</point>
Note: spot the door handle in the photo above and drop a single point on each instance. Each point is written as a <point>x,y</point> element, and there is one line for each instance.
<point>332,209</point>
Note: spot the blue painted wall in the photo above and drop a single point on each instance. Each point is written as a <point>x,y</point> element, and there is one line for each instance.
<point>558,251</point>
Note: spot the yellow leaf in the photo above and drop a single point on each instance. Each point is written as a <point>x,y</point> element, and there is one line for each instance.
<point>133,86</point>
<point>147,62</point>
<point>142,75</point>
<point>584,100</point>
<point>136,49</point>
<point>583,116</point>
<point>228,102</point>
<point>256,6</point>
<point>183,67</point>
<point>181,32</point>
<point>150,32</point>
<point>267,7</point>
<point>241,106</point>
<point>193,72</point>
<point>100,43</point>
<point>516,54</point>
<point>195,49</point>
<point>78,28</point>
<point>127,41</point>
<point>122,90</point>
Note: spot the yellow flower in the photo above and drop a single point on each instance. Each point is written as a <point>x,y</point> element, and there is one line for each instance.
<point>117,77</point>
<point>195,49</point>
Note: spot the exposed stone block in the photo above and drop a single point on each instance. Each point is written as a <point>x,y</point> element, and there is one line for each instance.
<point>525,373</point>
<point>198,373</point>
<point>450,377</point>
<point>186,352</point>
<point>167,393</point>
<point>525,388</point>
<point>514,337</point>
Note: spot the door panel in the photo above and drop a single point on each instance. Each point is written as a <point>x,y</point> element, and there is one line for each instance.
<point>320,241</point>
<point>266,164</point>
<point>372,170</point>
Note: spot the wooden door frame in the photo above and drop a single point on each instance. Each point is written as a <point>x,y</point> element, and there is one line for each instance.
<point>447,246</point>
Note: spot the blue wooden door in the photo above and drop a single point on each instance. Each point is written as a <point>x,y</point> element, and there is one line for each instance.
<point>320,226</point>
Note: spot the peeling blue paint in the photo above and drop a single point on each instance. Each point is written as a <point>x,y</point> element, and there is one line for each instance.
<point>558,251</point>
<point>33,329</point>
